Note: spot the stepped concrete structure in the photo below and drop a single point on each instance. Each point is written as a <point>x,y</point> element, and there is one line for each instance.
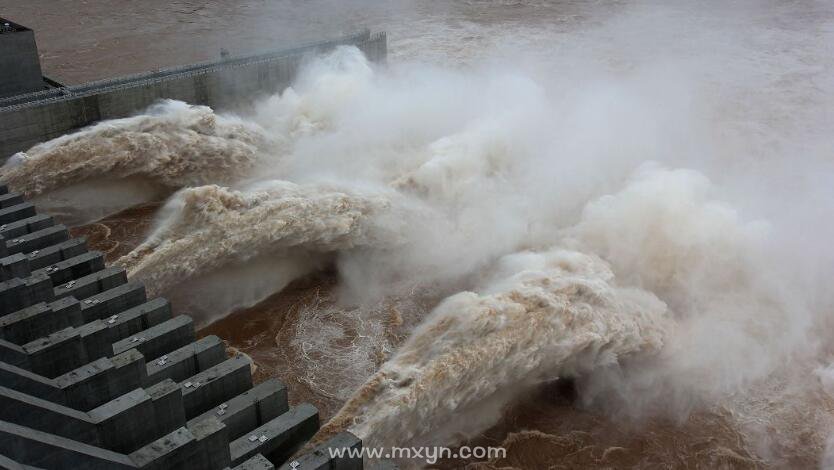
<point>93,374</point>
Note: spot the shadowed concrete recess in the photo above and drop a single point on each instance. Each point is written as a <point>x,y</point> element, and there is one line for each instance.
<point>93,374</point>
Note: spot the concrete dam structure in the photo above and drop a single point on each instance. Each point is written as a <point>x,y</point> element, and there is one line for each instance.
<point>93,373</point>
<point>19,53</point>
<point>54,110</point>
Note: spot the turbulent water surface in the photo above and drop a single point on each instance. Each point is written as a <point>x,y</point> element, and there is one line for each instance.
<point>594,233</point>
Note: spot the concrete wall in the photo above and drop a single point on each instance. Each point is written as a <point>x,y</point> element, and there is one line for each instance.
<point>20,66</point>
<point>151,398</point>
<point>30,119</point>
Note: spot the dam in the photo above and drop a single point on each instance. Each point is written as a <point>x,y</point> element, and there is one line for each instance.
<point>419,249</point>
<point>93,372</point>
<point>35,109</point>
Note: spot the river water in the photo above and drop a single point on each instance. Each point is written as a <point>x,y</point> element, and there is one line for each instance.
<point>594,233</point>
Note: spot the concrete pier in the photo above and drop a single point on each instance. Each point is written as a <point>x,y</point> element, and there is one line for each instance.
<point>17,212</point>
<point>319,458</point>
<point>19,52</point>
<point>94,375</point>
<point>41,319</point>
<point>279,438</point>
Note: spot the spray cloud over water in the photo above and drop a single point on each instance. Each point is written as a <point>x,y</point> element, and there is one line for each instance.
<point>210,227</point>
<point>526,188</point>
<point>115,164</point>
<point>544,315</point>
<point>173,143</point>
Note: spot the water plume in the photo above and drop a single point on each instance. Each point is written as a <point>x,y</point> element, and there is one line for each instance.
<point>202,229</point>
<point>172,144</point>
<point>738,319</point>
<point>540,316</point>
<point>664,290</point>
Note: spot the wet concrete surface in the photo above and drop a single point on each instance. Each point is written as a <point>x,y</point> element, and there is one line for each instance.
<point>88,40</point>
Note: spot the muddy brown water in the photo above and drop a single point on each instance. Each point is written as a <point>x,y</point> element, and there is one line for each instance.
<point>82,40</point>
<point>545,429</point>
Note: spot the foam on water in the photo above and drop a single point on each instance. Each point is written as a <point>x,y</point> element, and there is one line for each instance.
<point>209,227</point>
<point>544,315</point>
<point>522,195</point>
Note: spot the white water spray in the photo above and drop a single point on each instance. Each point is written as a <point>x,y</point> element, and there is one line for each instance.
<point>527,187</point>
